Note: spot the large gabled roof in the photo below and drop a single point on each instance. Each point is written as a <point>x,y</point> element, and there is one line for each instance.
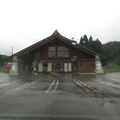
<point>57,35</point>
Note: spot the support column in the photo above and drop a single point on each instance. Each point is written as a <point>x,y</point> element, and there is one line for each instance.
<point>98,65</point>
<point>14,67</point>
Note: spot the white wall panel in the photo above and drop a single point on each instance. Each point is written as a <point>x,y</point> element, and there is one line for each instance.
<point>40,67</point>
<point>65,67</point>
<point>69,67</point>
<point>49,69</point>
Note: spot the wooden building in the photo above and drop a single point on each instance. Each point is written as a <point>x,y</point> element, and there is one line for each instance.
<point>56,53</point>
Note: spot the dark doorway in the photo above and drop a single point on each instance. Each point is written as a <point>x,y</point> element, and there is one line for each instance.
<point>45,66</point>
<point>58,67</point>
<point>74,67</point>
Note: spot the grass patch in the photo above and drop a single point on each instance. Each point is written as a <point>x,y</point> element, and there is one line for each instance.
<point>4,70</point>
<point>112,68</point>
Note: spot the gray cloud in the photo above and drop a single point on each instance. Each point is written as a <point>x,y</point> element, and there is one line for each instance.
<point>25,22</point>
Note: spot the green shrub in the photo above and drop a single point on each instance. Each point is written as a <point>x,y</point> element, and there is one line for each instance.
<point>112,68</point>
<point>4,70</point>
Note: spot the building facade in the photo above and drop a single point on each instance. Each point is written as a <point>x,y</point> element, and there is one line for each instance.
<point>55,53</point>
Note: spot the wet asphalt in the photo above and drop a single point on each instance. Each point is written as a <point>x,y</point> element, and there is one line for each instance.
<point>60,96</point>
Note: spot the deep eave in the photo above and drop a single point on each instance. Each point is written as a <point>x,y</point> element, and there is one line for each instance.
<point>56,34</point>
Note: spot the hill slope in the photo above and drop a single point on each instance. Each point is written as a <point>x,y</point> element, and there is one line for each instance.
<point>112,51</point>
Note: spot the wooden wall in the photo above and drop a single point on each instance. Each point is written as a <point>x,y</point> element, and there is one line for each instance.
<point>85,63</point>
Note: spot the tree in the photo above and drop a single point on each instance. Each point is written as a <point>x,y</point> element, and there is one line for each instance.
<point>81,41</point>
<point>112,51</point>
<point>90,39</point>
<point>84,41</point>
<point>3,59</point>
<point>97,46</point>
<point>91,44</point>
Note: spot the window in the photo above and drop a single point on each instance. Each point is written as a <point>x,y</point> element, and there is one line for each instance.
<point>62,51</point>
<point>58,51</point>
<point>51,51</point>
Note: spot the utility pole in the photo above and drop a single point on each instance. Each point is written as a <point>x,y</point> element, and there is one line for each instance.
<point>11,52</point>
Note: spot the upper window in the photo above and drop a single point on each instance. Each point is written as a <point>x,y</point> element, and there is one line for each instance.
<point>58,51</point>
<point>62,51</point>
<point>51,51</point>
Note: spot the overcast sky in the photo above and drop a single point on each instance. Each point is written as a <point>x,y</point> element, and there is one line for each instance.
<point>24,22</point>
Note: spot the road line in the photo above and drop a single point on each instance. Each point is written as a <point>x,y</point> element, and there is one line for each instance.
<point>80,86</point>
<point>18,88</point>
<point>114,79</point>
<point>78,83</point>
<point>4,85</point>
<point>22,87</point>
<point>111,85</point>
<point>56,86</point>
<point>85,85</point>
<point>50,86</point>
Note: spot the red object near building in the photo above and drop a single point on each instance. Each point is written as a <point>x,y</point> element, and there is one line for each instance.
<point>8,65</point>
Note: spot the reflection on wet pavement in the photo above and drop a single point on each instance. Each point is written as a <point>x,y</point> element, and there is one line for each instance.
<point>60,95</point>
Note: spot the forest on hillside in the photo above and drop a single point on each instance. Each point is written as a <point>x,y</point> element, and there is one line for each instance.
<point>111,49</point>
<point>3,59</point>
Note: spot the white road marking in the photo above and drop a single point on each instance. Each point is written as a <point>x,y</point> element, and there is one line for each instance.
<point>78,83</point>
<point>4,84</point>
<point>21,87</point>
<point>118,80</point>
<point>80,86</point>
<point>50,86</point>
<point>113,79</point>
<point>111,84</point>
<point>85,85</point>
<point>56,86</point>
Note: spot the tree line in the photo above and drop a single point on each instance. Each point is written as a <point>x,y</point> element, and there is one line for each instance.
<point>111,49</point>
<point>3,59</point>
<point>94,45</point>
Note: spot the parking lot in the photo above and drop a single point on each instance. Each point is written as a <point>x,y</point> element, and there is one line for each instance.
<point>60,96</point>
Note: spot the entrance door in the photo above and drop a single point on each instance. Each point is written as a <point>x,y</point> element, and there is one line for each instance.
<point>58,67</point>
<point>86,67</point>
<point>74,67</point>
<point>45,66</point>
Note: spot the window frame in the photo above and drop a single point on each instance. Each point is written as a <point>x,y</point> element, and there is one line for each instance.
<point>64,52</point>
<point>54,51</point>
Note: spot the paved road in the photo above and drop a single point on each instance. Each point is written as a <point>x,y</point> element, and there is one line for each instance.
<point>60,96</point>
